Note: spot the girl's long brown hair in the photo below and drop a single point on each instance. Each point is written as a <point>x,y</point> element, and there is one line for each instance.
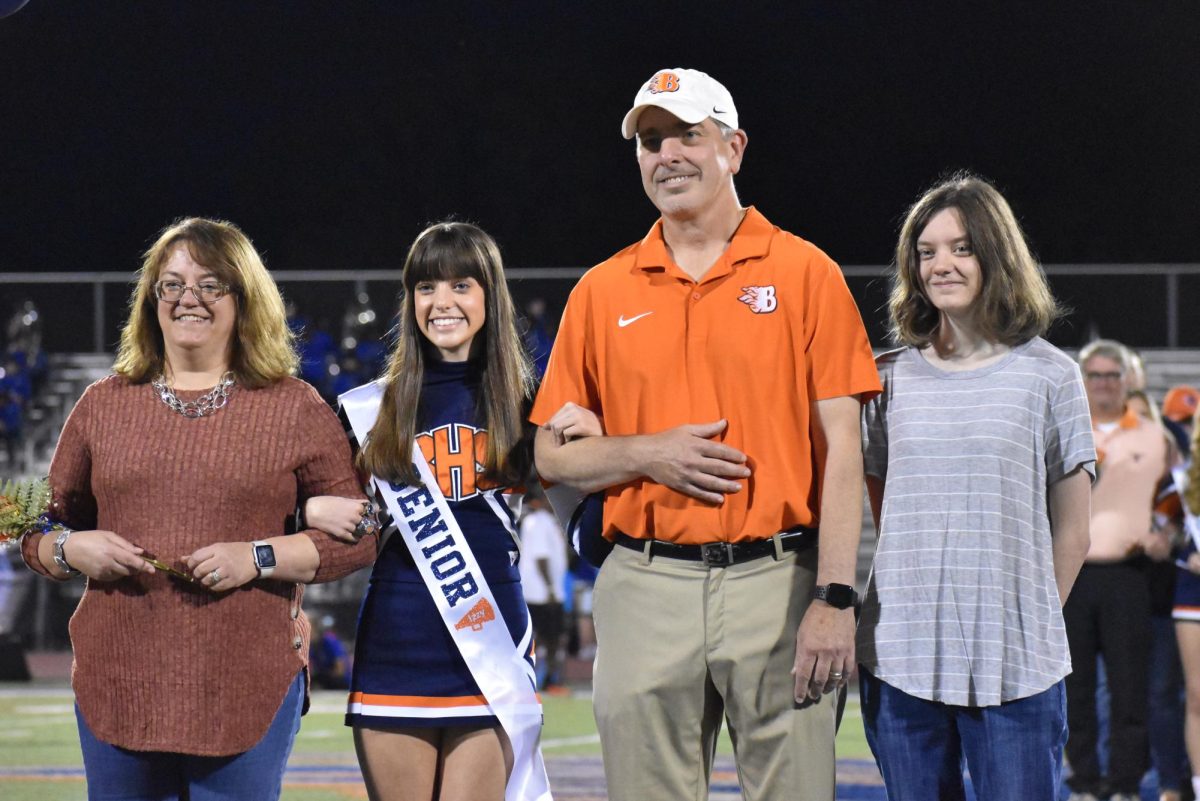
<point>445,251</point>
<point>1015,303</point>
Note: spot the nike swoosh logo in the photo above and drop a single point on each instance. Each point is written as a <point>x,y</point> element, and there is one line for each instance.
<point>718,111</point>
<point>622,322</point>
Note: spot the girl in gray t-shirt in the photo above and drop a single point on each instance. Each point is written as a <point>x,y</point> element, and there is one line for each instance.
<point>980,438</point>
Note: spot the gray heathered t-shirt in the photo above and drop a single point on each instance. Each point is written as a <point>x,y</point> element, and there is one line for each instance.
<point>962,607</point>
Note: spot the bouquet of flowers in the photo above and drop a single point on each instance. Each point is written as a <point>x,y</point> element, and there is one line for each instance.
<point>23,506</point>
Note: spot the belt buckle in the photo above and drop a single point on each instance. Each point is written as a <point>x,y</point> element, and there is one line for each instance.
<point>717,554</point>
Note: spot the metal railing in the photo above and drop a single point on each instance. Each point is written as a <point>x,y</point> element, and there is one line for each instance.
<point>1171,274</point>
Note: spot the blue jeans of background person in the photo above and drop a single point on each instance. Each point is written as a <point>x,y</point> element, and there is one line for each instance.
<point>1013,751</point>
<point>118,774</point>
<point>1167,750</point>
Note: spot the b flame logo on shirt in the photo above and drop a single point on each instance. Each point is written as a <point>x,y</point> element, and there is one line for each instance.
<point>479,614</point>
<point>760,299</point>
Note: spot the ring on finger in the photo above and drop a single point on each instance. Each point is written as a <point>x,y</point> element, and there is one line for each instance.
<point>215,576</point>
<point>367,523</point>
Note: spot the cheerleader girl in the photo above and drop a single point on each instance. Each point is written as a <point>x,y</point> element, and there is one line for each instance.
<point>433,716</point>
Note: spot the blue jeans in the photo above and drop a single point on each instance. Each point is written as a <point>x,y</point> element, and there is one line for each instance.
<point>118,774</point>
<point>1013,751</point>
<point>1166,707</point>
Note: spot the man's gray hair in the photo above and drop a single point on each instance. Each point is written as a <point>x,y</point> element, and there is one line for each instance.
<point>724,128</point>
<point>1109,349</point>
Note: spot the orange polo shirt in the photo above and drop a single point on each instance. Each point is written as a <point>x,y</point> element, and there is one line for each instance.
<point>770,328</point>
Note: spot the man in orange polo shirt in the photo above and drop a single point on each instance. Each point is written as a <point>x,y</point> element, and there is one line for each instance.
<point>728,362</point>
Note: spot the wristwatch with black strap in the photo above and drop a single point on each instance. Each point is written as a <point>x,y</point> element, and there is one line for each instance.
<point>839,596</point>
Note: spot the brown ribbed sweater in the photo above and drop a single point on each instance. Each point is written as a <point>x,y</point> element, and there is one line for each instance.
<point>162,665</point>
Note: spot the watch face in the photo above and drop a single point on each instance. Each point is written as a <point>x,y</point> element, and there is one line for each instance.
<point>839,596</point>
<point>264,556</point>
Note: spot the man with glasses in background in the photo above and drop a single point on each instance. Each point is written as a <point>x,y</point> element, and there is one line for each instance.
<point>1108,612</point>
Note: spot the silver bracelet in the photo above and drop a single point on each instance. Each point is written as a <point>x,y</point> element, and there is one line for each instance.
<point>59,559</point>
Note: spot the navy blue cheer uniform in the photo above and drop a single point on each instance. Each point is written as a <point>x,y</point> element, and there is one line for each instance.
<point>407,669</point>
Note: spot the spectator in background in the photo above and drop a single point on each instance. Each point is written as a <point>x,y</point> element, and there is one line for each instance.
<point>16,391</point>
<point>1139,401</point>
<point>577,603</point>
<point>543,576</point>
<point>1166,717</point>
<point>328,658</point>
<point>1109,611</point>
<point>358,324</point>
<point>372,356</point>
<point>23,335</point>
<point>1178,411</point>
<point>24,327</point>
<point>1187,607</point>
<point>1136,380</point>
<point>537,336</point>
<point>346,374</point>
<point>1169,719</point>
<point>1180,404</point>
<point>314,346</point>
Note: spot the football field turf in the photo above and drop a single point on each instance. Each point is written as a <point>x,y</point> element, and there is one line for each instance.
<point>40,758</point>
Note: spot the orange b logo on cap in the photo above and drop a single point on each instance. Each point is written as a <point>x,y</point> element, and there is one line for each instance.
<point>663,82</point>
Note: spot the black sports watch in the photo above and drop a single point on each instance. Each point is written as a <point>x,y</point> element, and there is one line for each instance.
<point>839,596</point>
<point>264,558</point>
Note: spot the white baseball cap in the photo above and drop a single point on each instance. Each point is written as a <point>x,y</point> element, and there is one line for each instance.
<point>690,95</point>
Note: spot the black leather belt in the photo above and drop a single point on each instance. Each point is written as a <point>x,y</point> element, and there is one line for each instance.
<point>723,554</point>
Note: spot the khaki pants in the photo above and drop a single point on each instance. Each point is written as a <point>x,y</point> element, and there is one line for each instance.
<point>681,646</point>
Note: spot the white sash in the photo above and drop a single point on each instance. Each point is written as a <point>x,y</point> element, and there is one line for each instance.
<point>466,603</point>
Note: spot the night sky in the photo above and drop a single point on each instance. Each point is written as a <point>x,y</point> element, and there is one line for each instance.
<point>332,132</point>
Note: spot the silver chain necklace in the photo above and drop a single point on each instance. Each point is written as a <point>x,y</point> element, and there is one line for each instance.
<point>206,404</point>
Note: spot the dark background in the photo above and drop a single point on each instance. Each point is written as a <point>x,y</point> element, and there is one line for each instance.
<point>332,132</point>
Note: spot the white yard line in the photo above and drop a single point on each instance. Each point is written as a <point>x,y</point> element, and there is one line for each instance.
<point>36,692</point>
<point>566,742</point>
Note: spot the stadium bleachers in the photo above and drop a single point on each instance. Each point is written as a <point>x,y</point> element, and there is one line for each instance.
<point>70,374</point>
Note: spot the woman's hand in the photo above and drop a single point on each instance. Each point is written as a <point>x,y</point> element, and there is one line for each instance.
<point>223,566</point>
<point>103,555</point>
<point>345,518</point>
<point>573,421</point>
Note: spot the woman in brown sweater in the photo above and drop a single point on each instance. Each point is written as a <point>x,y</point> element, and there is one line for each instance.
<point>189,683</point>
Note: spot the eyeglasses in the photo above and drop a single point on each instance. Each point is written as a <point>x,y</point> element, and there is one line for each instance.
<point>205,291</point>
<point>1104,376</point>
